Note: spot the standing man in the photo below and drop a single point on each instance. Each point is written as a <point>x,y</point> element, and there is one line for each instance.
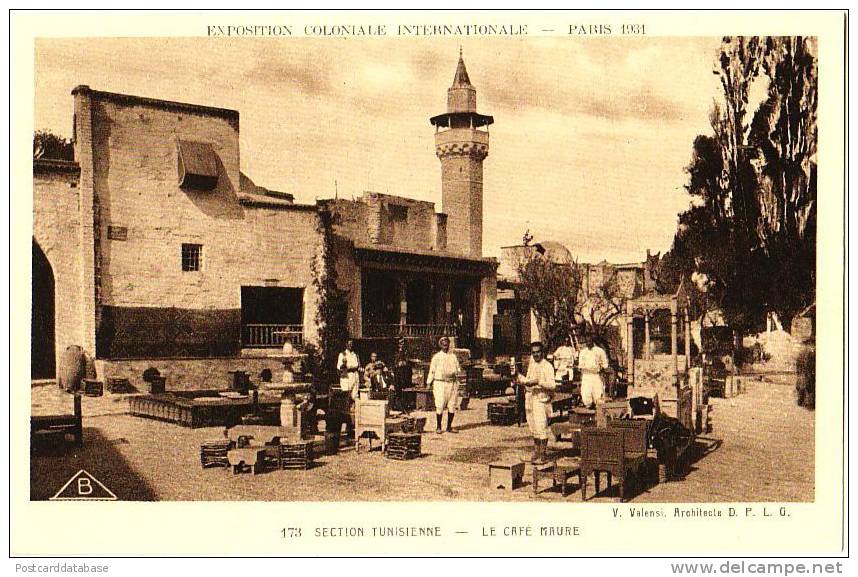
<point>444,378</point>
<point>564,360</point>
<point>592,362</point>
<point>348,365</point>
<point>402,374</point>
<point>539,383</point>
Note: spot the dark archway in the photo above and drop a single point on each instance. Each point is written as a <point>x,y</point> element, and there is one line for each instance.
<point>43,353</point>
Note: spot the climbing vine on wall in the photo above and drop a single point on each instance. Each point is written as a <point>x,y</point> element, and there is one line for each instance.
<point>331,317</point>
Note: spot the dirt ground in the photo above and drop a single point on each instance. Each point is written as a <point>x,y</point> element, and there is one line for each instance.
<point>761,449</point>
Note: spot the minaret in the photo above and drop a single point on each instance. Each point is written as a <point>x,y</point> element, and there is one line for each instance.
<point>462,143</point>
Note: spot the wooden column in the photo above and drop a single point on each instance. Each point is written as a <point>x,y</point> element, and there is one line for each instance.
<point>687,324</point>
<point>630,343</point>
<point>403,302</point>
<point>674,345</point>
<point>647,348</point>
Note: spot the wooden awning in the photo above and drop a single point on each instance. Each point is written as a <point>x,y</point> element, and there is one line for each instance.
<point>198,165</point>
<point>418,261</point>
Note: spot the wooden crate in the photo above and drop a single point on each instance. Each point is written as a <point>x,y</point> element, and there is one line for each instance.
<point>403,446</point>
<point>503,414</point>
<point>119,385</point>
<point>291,455</point>
<point>215,453</point>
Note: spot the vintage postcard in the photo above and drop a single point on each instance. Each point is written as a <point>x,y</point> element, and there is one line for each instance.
<point>428,283</point>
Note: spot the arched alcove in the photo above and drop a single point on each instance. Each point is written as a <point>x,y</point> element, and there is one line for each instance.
<point>43,353</point>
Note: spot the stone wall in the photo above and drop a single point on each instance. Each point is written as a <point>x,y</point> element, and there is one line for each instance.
<point>56,229</point>
<point>135,182</point>
<point>395,221</point>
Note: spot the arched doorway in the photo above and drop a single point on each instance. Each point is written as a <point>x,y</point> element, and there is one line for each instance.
<point>43,356</point>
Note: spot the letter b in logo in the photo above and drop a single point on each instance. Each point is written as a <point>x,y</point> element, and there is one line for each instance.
<point>84,486</point>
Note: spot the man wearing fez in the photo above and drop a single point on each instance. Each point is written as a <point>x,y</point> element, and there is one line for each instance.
<point>444,378</point>
<point>539,385</point>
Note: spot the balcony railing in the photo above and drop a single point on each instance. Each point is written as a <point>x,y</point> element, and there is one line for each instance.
<point>271,336</point>
<point>412,330</point>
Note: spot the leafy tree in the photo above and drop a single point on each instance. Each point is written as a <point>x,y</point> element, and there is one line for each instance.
<point>552,290</point>
<point>750,231</point>
<point>46,144</point>
<point>600,312</point>
<point>784,132</point>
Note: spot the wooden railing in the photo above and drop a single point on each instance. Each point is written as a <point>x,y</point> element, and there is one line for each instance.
<point>271,336</point>
<point>413,330</point>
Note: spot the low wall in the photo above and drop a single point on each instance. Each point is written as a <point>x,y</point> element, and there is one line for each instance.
<point>189,374</point>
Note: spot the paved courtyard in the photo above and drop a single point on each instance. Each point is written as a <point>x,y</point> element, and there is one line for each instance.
<point>761,448</point>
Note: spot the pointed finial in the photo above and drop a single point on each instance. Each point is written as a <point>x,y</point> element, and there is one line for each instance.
<point>460,51</point>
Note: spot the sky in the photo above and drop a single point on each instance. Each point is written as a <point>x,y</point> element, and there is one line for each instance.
<point>589,145</point>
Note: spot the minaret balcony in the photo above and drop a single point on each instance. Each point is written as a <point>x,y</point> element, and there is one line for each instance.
<point>462,141</point>
<point>462,136</point>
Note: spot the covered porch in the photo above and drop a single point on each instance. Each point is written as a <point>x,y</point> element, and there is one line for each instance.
<point>420,295</point>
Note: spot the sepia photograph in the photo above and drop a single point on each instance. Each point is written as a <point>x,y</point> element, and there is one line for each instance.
<point>485,263</point>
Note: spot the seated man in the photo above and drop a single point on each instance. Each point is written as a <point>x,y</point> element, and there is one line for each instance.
<point>376,373</point>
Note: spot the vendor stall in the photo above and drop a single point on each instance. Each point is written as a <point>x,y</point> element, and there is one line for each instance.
<point>661,380</point>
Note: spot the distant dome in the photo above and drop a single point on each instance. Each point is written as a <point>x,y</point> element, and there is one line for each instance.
<point>555,252</point>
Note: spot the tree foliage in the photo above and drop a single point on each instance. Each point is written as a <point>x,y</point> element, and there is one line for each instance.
<point>552,290</point>
<point>555,293</point>
<point>750,231</point>
<point>46,144</point>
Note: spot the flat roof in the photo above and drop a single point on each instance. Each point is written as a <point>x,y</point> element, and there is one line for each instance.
<point>156,103</point>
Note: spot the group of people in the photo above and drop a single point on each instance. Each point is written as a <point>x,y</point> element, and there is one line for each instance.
<point>540,382</point>
<point>443,377</point>
<point>376,375</point>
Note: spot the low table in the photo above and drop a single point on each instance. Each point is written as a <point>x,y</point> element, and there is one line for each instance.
<point>563,402</point>
<point>199,408</point>
<point>506,474</point>
<point>59,425</point>
<point>564,468</point>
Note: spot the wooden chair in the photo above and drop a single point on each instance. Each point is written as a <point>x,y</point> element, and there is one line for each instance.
<point>635,442</point>
<point>603,450</point>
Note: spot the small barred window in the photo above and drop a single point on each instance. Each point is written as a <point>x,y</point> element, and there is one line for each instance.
<point>192,257</point>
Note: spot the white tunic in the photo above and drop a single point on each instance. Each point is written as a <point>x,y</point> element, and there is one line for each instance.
<point>444,367</point>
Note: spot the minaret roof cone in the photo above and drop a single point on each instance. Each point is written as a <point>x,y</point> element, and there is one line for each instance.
<point>461,79</point>
<point>461,102</point>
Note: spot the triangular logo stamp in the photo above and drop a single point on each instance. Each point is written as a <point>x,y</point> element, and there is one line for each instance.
<point>84,487</point>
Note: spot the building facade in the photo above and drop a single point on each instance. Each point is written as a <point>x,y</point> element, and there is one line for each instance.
<point>411,271</point>
<point>161,250</point>
<point>151,248</point>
